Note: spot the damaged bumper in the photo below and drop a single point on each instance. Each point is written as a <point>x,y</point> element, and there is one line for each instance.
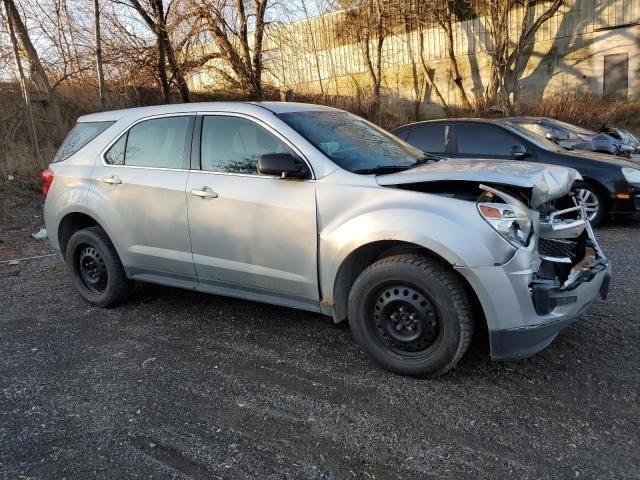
<point>531,298</point>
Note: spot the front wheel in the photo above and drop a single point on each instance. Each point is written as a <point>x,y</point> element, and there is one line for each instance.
<point>595,203</point>
<point>95,267</point>
<point>411,315</point>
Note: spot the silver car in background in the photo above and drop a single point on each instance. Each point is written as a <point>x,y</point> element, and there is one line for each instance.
<point>317,209</point>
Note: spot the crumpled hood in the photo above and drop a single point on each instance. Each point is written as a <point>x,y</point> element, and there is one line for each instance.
<point>546,181</point>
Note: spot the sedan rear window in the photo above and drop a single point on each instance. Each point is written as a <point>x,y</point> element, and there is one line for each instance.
<point>81,134</point>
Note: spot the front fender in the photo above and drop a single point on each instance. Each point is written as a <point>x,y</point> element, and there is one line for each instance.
<point>450,228</point>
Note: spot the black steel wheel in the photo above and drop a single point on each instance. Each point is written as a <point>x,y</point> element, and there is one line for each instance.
<point>404,319</point>
<point>95,267</point>
<point>411,314</point>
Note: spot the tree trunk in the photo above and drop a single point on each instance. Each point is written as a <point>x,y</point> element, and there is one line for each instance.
<point>183,88</point>
<point>455,69</point>
<point>25,88</point>
<point>101,87</point>
<point>162,70</point>
<point>36,70</point>
<point>427,77</point>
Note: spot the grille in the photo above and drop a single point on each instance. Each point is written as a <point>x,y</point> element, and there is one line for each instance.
<point>556,248</point>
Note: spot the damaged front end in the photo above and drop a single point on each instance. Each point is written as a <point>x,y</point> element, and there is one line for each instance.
<point>555,268</point>
<point>569,254</point>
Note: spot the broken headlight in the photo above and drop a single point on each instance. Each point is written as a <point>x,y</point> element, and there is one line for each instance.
<point>510,219</point>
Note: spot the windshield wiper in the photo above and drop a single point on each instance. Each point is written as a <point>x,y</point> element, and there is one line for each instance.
<point>383,169</point>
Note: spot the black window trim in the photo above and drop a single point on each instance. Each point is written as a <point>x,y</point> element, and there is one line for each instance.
<point>186,151</point>
<point>196,158</point>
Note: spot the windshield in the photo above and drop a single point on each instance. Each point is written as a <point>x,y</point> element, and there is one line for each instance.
<point>352,142</point>
<point>539,140</point>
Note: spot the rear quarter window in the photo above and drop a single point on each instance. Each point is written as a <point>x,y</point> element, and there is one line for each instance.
<point>80,136</point>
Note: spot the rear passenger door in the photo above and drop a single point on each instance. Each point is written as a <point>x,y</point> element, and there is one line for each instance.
<point>139,184</point>
<point>483,141</point>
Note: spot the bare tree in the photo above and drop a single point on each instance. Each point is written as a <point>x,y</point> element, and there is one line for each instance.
<point>99,68</point>
<point>367,21</point>
<point>510,55</point>
<point>37,73</point>
<point>227,21</point>
<point>155,16</point>
<point>24,86</point>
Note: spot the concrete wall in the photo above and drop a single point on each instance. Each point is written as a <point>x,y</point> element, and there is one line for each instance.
<point>316,56</point>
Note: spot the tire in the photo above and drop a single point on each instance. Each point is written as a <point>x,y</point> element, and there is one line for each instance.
<point>591,195</point>
<point>381,304</point>
<point>95,267</point>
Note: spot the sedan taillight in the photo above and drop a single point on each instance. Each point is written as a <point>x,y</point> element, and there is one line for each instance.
<point>47,180</point>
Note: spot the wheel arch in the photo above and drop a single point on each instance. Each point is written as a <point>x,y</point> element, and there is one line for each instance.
<point>72,222</point>
<point>363,256</point>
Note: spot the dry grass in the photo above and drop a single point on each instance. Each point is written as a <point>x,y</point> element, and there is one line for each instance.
<point>589,111</point>
<point>17,161</point>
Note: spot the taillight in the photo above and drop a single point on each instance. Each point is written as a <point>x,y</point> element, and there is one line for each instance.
<point>47,180</point>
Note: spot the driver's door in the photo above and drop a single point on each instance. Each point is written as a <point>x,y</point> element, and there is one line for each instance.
<point>253,235</point>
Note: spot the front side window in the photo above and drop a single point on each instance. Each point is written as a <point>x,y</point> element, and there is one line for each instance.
<point>351,142</point>
<point>81,135</point>
<point>481,140</point>
<point>157,143</point>
<point>234,144</point>
<point>428,138</point>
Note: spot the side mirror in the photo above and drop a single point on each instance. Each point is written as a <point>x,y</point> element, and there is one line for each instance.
<point>519,152</point>
<point>550,136</point>
<point>283,165</point>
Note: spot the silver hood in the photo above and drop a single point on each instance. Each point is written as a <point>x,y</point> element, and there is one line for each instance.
<point>547,182</point>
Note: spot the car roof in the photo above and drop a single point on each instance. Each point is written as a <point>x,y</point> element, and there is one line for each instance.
<point>237,107</point>
<point>525,119</point>
<point>446,121</point>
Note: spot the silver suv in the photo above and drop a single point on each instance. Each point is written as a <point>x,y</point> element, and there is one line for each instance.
<point>314,208</point>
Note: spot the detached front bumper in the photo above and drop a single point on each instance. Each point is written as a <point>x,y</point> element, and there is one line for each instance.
<point>525,316</point>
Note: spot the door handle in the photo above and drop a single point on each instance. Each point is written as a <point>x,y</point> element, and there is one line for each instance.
<point>206,192</point>
<point>113,180</point>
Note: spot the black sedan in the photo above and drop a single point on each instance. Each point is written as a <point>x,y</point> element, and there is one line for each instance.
<point>611,185</point>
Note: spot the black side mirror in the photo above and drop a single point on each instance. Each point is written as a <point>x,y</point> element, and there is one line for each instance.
<point>551,137</point>
<point>519,152</point>
<point>283,165</point>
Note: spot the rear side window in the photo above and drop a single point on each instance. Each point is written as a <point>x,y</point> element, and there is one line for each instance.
<point>428,138</point>
<point>481,140</point>
<point>159,143</point>
<point>81,134</point>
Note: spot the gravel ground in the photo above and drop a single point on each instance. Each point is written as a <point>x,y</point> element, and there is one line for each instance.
<point>177,384</point>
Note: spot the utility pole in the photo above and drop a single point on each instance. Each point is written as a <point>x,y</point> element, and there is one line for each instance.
<point>101,88</point>
<point>24,86</point>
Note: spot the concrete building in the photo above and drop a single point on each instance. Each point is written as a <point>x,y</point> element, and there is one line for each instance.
<point>588,46</point>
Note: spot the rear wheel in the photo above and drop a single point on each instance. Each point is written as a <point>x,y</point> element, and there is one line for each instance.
<point>411,314</point>
<point>95,267</point>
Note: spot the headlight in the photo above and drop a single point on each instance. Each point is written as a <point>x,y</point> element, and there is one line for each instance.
<point>631,174</point>
<point>510,219</point>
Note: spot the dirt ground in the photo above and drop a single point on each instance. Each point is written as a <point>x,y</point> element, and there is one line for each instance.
<point>177,384</point>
